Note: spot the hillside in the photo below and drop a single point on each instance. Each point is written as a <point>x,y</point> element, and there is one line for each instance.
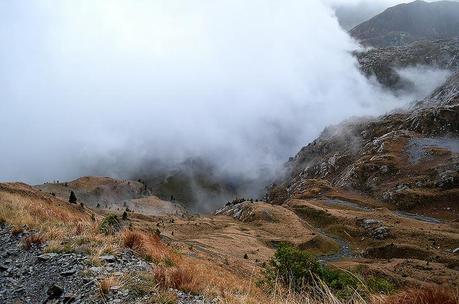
<point>406,23</point>
<point>385,63</point>
<point>408,159</point>
<point>367,213</point>
<point>113,194</point>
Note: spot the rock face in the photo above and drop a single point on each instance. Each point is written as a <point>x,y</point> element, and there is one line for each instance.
<point>406,23</point>
<point>406,158</point>
<point>384,63</point>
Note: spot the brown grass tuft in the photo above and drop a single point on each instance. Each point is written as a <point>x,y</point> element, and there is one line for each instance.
<point>133,240</point>
<point>107,283</point>
<point>15,230</point>
<point>31,240</point>
<point>428,295</point>
<point>175,277</point>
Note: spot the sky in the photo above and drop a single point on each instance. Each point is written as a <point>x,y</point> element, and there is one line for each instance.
<point>241,84</point>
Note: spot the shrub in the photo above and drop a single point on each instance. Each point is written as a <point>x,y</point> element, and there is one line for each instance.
<point>293,267</point>
<point>297,269</point>
<point>72,198</point>
<point>110,224</point>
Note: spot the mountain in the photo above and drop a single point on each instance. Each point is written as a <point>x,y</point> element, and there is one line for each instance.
<point>406,23</point>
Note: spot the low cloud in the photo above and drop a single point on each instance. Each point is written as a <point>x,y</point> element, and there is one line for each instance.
<point>104,87</point>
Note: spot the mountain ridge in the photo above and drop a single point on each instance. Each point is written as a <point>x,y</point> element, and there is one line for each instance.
<point>405,23</point>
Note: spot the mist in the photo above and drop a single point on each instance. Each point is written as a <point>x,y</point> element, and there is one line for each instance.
<point>106,87</point>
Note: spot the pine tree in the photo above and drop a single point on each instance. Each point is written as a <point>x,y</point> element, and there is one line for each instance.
<point>72,198</point>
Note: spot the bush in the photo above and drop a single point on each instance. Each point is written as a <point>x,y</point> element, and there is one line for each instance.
<point>72,198</point>
<point>110,224</point>
<point>297,269</point>
<point>293,267</point>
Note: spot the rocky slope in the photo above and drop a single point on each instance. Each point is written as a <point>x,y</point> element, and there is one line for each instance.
<point>385,63</point>
<point>406,23</point>
<point>32,275</point>
<point>408,159</point>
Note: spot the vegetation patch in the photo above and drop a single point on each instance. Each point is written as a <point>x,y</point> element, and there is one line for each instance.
<point>317,217</point>
<point>177,278</point>
<point>297,269</point>
<point>320,245</point>
<point>380,285</point>
<point>110,224</point>
<point>300,271</point>
<point>165,297</point>
<point>141,283</point>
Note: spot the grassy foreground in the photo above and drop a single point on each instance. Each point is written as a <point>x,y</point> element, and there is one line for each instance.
<point>66,227</point>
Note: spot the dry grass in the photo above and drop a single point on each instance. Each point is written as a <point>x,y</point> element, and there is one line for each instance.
<point>178,278</point>
<point>106,284</point>
<point>165,297</point>
<point>428,295</point>
<point>66,227</point>
<point>132,239</point>
<point>31,240</point>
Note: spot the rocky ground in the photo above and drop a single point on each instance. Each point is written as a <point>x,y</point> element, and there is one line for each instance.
<point>34,276</point>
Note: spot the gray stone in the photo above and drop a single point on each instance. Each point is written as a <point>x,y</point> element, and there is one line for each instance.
<point>108,258</point>
<point>47,256</point>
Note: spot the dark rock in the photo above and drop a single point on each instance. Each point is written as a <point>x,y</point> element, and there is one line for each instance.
<point>68,272</point>
<point>68,298</point>
<point>54,291</point>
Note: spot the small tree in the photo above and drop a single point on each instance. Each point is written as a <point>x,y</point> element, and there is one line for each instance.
<point>72,198</point>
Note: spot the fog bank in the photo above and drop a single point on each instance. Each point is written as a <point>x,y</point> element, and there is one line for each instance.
<point>104,87</point>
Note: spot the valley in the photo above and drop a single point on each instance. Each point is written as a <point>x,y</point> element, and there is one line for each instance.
<point>366,213</point>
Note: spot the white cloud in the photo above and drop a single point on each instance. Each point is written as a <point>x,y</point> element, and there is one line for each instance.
<point>244,84</point>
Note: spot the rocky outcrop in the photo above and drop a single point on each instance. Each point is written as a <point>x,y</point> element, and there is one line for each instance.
<point>375,156</point>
